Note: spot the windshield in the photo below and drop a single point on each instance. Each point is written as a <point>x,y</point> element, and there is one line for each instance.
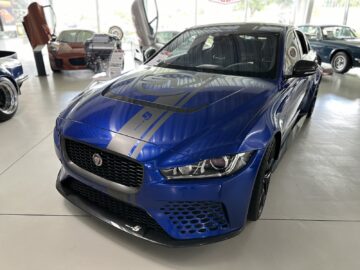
<point>338,32</point>
<point>165,37</point>
<point>76,36</point>
<point>221,50</point>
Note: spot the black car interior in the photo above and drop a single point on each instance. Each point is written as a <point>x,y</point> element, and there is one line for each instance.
<point>235,53</point>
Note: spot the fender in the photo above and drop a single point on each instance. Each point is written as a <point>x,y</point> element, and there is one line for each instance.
<point>6,74</point>
<point>334,51</point>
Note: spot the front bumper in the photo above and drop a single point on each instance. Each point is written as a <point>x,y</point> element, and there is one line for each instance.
<point>356,62</point>
<point>67,62</point>
<point>189,212</point>
<point>157,237</point>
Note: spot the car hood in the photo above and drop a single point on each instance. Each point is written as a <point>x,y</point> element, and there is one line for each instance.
<point>171,108</point>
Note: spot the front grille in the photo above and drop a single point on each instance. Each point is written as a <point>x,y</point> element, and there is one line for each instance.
<point>124,211</point>
<point>114,167</point>
<point>77,61</point>
<point>197,217</point>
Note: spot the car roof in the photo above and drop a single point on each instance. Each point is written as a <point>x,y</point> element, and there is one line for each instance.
<point>324,25</point>
<point>77,30</point>
<point>251,27</point>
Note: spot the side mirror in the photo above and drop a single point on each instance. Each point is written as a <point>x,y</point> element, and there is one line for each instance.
<point>149,52</point>
<point>304,68</point>
<point>53,38</point>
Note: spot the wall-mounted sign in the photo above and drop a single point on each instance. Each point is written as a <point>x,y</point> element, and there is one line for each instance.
<point>225,1</point>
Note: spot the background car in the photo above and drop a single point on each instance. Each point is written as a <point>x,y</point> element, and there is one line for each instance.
<point>335,44</point>
<point>181,150</point>
<point>11,79</point>
<point>67,51</point>
<point>161,39</point>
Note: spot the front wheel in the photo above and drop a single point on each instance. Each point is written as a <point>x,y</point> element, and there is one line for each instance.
<point>262,183</point>
<point>341,63</point>
<point>8,99</point>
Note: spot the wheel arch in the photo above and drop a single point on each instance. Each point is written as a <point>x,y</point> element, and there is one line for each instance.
<point>12,80</point>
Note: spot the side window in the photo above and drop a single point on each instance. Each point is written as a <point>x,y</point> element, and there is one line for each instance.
<point>208,43</point>
<point>151,14</point>
<point>311,32</point>
<point>303,44</point>
<point>292,52</point>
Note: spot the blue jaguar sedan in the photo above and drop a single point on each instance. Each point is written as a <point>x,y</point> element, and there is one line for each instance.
<point>181,150</point>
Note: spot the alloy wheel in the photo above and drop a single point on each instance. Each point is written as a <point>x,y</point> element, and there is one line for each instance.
<point>339,62</point>
<point>8,99</point>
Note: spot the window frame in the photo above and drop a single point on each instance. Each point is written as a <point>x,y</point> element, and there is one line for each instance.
<point>288,69</point>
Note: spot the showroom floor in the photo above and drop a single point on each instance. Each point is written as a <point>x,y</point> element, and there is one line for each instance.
<point>311,219</point>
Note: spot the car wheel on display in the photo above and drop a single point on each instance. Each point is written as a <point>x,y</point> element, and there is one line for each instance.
<point>8,99</point>
<point>341,63</point>
<point>262,182</point>
<point>116,31</point>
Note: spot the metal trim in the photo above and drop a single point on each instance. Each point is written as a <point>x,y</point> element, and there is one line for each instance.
<point>148,235</point>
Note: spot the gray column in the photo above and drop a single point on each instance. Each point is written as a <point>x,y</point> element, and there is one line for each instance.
<point>346,13</point>
<point>308,12</point>
<point>97,15</point>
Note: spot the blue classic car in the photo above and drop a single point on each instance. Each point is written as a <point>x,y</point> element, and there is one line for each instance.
<point>181,150</point>
<point>334,44</point>
<point>11,79</point>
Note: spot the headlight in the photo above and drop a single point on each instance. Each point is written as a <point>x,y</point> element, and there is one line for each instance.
<point>215,167</point>
<point>53,48</point>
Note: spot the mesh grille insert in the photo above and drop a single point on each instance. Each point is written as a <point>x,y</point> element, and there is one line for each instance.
<point>114,168</point>
<point>125,211</point>
<point>191,218</point>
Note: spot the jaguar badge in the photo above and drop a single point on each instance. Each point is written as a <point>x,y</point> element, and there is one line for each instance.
<point>97,159</point>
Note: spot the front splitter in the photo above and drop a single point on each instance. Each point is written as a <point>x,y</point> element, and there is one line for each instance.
<point>146,234</point>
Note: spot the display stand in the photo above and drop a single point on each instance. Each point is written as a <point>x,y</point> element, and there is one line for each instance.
<point>39,60</point>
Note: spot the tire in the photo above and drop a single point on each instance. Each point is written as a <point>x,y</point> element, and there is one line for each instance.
<point>341,63</point>
<point>8,99</point>
<point>54,70</point>
<point>262,182</point>
<point>116,31</point>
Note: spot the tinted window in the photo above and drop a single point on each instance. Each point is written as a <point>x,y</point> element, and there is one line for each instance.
<point>83,36</point>
<point>67,36</point>
<point>338,32</point>
<point>74,36</point>
<point>302,41</point>
<point>311,32</point>
<point>165,37</point>
<point>151,14</point>
<point>221,50</point>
